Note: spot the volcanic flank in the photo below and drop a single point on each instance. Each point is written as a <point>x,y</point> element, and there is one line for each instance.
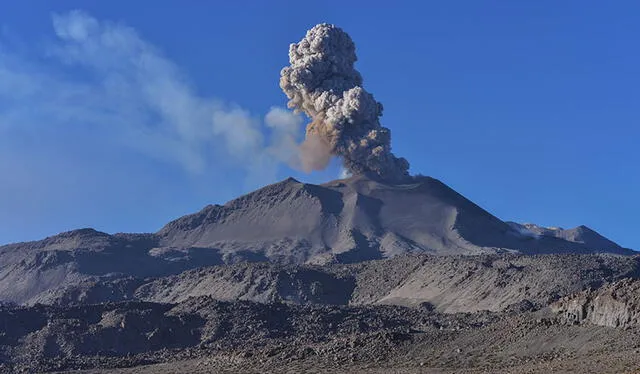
<point>288,223</point>
<point>358,219</point>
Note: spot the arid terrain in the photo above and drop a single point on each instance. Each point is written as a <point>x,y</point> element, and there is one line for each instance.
<point>203,335</point>
<point>352,276</point>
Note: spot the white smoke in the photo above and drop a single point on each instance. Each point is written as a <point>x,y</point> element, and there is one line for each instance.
<point>129,94</point>
<point>322,82</point>
<point>283,120</point>
<point>285,127</point>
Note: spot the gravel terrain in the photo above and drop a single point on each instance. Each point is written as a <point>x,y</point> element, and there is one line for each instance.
<point>493,313</point>
<point>203,335</point>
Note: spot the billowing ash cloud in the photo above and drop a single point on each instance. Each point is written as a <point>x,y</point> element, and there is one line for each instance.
<point>322,82</point>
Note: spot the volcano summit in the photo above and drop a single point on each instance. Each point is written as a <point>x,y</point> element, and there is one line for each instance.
<point>358,219</point>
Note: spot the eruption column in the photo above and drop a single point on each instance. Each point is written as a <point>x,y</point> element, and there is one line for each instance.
<point>322,82</point>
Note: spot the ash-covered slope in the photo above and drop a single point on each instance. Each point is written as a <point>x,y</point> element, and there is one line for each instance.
<point>36,272</point>
<point>354,220</point>
<point>344,221</point>
<point>449,284</point>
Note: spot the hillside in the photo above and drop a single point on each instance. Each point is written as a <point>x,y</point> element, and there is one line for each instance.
<point>288,223</point>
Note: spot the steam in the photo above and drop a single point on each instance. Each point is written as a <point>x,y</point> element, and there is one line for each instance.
<point>129,96</point>
<point>322,82</point>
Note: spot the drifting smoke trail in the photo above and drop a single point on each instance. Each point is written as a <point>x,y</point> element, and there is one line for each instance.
<point>322,82</point>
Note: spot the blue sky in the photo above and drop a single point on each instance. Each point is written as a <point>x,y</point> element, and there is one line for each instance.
<point>124,115</point>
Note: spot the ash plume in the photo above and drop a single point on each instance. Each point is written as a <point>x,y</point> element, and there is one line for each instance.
<point>322,82</point>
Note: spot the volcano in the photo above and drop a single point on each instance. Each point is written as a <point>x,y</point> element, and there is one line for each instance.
<point>298,254</point>
<point>289,223</point>
<point>361,218</point>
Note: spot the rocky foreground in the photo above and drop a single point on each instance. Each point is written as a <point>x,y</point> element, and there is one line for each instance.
<point>202,335</point>
<point>465,314</point>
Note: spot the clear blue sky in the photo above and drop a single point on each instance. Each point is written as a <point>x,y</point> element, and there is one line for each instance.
<point>529,108</point>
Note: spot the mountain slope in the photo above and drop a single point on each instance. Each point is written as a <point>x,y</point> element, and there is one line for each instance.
<point>357,219</point>
<point>448,284</point>
<point>344,221</point>
<point>581,234</point>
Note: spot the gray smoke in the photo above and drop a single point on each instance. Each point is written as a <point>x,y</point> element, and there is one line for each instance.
<point>322,82</point>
